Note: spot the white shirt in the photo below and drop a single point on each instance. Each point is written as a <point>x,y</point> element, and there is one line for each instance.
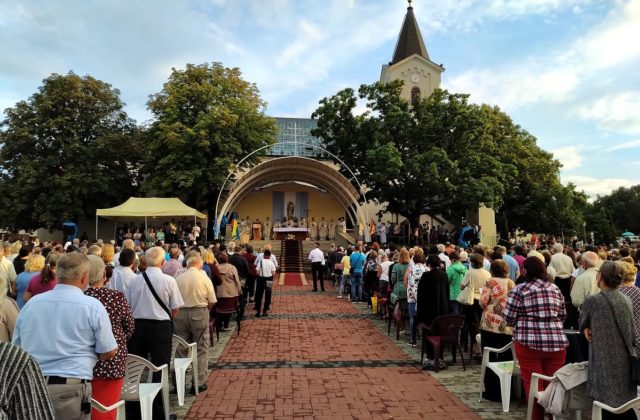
<point>445,259</point>
<point>266,268</point>
<point>385,270</point>
<point>316,256</point>
<point>144,305</point>
<point>260,256</point>
<point>121,279</point>
<point>7,270</point>
<point>585,285</point>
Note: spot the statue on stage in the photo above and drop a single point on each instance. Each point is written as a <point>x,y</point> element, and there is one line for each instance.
<point>381,231</point>
<point>332,230</point>
<point>313,230</point>
<point>290,208</point>
<point>324,230</point>
<point>266,233</point>
<point>342,225</point>
<point>277,224</point>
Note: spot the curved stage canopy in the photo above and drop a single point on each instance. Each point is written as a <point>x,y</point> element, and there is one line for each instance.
<point>293,168</point>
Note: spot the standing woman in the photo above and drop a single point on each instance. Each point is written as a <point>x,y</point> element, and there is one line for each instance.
<point>536,310</point>
<point>45,280</point>
<point>21,259</point>
<point>476,278</point>
<point>455,274</point>
<point>629,288</point>
<point>399,291</point>
<point>229,289</point>
<point>411,280</point>
<point>494,331</point>
<point>35,264</point>
<point>108,375</point>
<point>606,319</point>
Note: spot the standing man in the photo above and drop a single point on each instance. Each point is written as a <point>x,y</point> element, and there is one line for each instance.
<point>563,264</point>
<point>192,322</point>
<point>316,257</point>
<point>155,300</point>
<point>67,332</point>
<point>356,260</point>
<point>7,270</point>
<point>266,271</point>
<point>250,285</point>
<point>266,233</point>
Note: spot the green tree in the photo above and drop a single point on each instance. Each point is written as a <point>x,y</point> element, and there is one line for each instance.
<point>436,155</point>
<point>611,215</point>
<point>65,151</point>
<point>207,118</point>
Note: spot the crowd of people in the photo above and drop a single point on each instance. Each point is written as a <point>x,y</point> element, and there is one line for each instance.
<point>533,297</point>
<point>71,313</point>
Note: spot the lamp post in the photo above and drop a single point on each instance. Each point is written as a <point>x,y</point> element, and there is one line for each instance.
<point>584,231</point>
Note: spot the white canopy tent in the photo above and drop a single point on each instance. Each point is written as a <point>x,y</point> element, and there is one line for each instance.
<point>143,207</point>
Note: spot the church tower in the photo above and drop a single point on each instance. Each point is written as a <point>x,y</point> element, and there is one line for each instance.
<point>411,62</point>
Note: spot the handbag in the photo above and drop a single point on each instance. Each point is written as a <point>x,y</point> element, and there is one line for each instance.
<point>338,266</point>
<point>634,361</point>
<point>465,297</point>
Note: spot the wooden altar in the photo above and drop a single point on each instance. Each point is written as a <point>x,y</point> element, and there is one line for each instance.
<point>283,233</point>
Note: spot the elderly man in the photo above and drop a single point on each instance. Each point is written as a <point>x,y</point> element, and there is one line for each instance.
<point>444,257</point>
<point>155,300</point>
<point>192,322</point>
<point>66,332</point>
<point>7,270</point>
<point>126,244</point>
<point>586,283</point>
<point>123,273</point>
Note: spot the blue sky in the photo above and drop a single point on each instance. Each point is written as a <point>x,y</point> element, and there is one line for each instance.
<point>566,70</point>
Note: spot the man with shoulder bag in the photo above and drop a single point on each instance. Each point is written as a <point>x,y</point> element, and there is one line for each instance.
<point>155,300</point>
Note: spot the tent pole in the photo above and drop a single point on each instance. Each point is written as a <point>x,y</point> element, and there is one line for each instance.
<point>115,230</point>
<point>96,228</point>
<point>146,229</point>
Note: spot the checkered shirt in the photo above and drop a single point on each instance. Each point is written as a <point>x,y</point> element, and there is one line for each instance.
<point>536,311</point>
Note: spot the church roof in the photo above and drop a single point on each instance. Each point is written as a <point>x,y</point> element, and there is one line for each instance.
<point>410,41</point>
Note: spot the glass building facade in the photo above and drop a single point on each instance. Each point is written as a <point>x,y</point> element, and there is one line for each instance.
<point>294,138</point>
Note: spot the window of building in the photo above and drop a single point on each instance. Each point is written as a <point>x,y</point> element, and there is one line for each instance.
<point>415,94</point>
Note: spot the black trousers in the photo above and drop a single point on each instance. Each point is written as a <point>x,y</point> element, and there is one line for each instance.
<point>262,288</point>
<point>249,288</point>
<point>151,340</point>
<point>317,272</point>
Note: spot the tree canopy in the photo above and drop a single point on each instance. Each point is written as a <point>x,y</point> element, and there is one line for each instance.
<point>65,151</point>
<point>207,118</point>
<point>442,155</point>
<point>611,215</point>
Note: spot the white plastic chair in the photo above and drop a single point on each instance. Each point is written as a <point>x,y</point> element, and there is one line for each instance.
<point>533,395</point>
<point>504,370</point>
<point>119,406</point>
<point>596,411</point>
<point>180,365</point>
<point>134,390</point>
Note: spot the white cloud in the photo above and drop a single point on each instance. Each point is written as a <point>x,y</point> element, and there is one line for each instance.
<point>626,145</point>
<point>524,82</point>
<point>619,113</point>
<point>568,156</point>
<point>598,186</point>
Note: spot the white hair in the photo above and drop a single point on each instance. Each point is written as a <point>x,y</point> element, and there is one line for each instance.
<point>558,247</point>
<point>96,269</point>
<point>155,256</point>
<point>441,248</point>
<point>128,243</point>
<point>590,259</point>
<point>193,261</point>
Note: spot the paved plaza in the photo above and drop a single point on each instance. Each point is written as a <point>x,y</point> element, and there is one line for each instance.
<point>318,357</point>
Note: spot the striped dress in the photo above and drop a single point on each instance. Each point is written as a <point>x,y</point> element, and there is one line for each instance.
<point>23,392</point>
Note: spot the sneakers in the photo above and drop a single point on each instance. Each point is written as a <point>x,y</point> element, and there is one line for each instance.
<point>339,297</point>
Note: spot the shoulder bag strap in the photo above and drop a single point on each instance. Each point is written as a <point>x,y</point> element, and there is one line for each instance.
<point>613,314</point>
<point>155,295</point>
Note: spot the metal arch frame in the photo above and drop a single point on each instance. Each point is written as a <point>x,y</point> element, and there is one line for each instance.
<point>237,166</point>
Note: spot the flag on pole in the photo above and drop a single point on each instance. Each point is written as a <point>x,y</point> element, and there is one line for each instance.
<point>234,228</point>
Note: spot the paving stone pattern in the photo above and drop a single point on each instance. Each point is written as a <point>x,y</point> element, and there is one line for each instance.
<point>319,357</point>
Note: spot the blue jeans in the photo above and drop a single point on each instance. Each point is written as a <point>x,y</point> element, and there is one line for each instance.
<point>411,309</point>
<point>455,308</point>
<point>356,287</point>
<point>343,280</point>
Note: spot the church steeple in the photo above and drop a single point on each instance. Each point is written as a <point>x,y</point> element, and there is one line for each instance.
<point>410,40</point>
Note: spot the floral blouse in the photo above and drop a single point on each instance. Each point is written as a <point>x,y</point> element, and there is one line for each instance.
<point>122,324</point>
<point>415,274</point>
<point>493,301</point>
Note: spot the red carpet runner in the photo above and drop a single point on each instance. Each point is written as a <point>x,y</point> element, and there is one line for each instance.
<point>291,279</point>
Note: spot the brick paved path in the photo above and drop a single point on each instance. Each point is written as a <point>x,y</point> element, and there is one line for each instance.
<point>319,357</point>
